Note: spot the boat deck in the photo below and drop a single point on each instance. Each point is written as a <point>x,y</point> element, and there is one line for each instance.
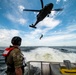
<point>48,68</point>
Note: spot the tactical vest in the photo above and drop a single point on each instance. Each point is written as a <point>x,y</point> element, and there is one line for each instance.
<point>10,67</point>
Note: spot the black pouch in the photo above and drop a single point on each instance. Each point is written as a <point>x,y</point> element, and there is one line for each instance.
<point>22,69</point>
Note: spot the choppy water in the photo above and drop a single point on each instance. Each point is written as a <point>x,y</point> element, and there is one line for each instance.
<point>55,54</point>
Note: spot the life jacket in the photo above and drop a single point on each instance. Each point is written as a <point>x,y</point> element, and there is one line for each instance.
<point>7,51</point>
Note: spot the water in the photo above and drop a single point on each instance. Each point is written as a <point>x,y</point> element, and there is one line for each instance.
<point>45,53</point>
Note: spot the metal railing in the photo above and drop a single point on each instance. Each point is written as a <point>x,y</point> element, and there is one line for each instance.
<point>41,62</point>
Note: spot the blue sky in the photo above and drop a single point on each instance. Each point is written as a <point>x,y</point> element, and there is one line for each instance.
<point>59,29</point>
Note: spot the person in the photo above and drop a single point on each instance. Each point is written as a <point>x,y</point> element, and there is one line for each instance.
<point>14,57</point>
<point>41,36</point>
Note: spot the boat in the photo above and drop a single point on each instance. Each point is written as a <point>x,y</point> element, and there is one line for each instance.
<point>50,68</point>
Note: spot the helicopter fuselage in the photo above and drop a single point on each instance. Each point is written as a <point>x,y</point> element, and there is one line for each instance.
<point>44,12</point>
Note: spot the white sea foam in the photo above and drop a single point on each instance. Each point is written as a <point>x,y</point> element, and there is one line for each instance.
<point>49,54</point>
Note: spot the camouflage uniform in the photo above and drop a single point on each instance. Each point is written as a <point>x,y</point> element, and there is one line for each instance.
<point>14,60</point>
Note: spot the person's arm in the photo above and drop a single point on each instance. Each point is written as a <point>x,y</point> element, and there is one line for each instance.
<point>18,61</point>
<point>18,71</point>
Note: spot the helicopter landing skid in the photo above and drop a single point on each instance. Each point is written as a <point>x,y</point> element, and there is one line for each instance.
<point>32,26</point>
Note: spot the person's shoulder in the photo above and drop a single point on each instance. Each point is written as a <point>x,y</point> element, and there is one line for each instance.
<point>15,51</point>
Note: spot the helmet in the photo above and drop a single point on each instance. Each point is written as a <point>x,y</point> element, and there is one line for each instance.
<point>16,40</point>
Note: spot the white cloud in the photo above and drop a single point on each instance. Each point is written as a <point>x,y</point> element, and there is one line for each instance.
<point>22,21</point>
<point>68,30</point>
<point>49,22</point>
<point>6,35</point>
<point>21,8</point>
<point>57,1</point>
<point>11,17</point>
<point>32,38</point>
<point>64,0</point>
<point>71,28</point>
<point>53,13</point>
<point>61,38</point>
<point>51,41</point>
<point>16,19</point>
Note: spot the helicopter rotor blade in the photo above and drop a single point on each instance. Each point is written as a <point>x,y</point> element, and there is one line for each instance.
<point>31,10</point>
<point>60,9</point>
<point>42,3</point>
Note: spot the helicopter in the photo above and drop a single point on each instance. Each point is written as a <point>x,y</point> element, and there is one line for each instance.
<point>45,11</point>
